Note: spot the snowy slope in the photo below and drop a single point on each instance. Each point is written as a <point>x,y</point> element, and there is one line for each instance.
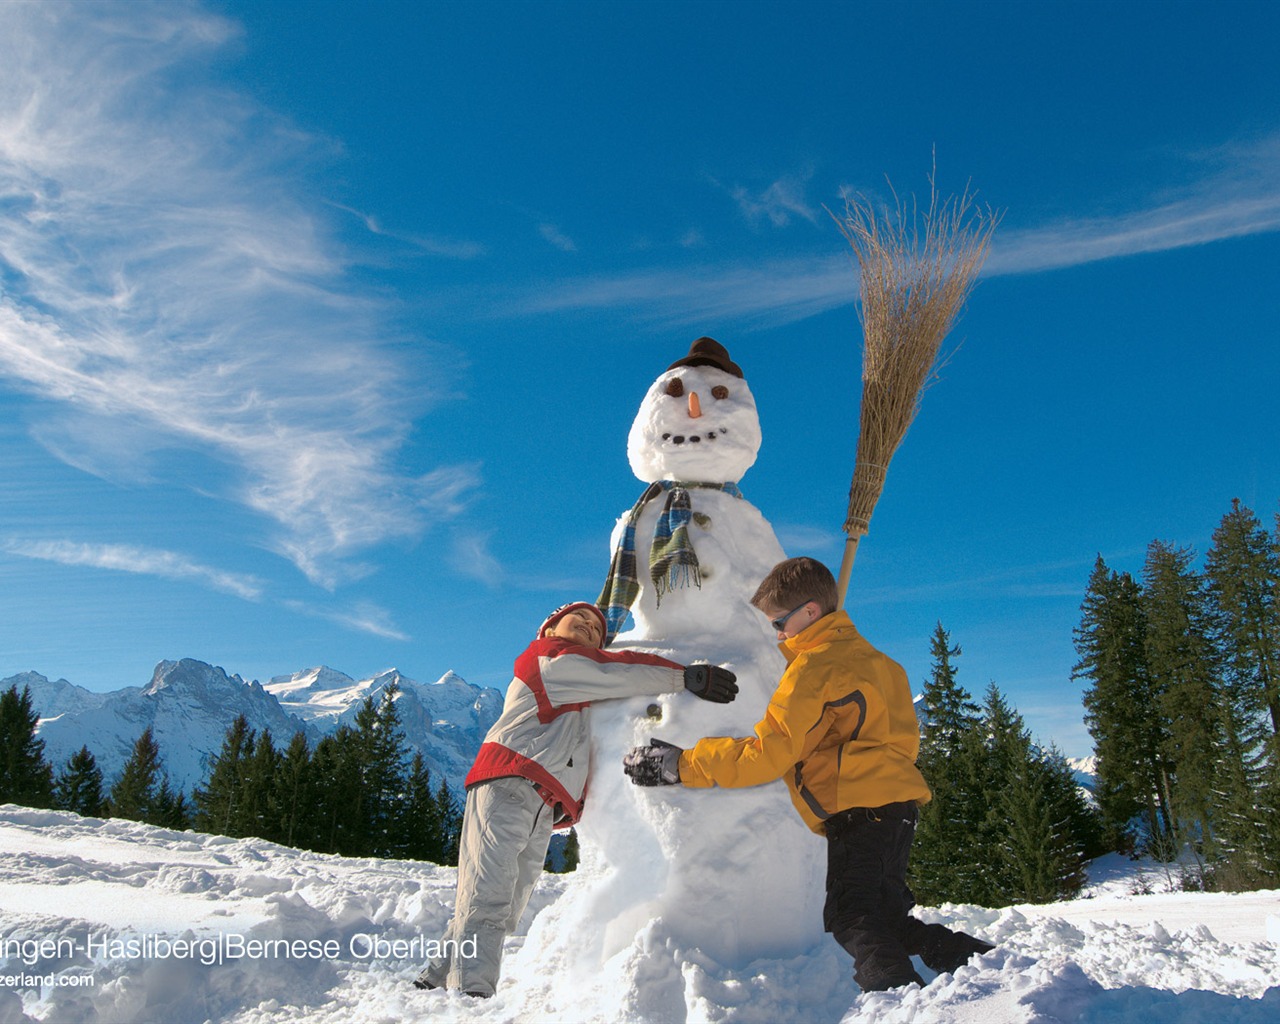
<point>1112,958</point>
<point>190,705</point>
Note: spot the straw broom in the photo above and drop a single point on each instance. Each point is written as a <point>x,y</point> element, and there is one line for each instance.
<point>916,274</point>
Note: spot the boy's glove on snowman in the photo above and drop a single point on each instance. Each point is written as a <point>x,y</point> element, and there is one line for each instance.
<point>658,764</point>
<point>711,682</point>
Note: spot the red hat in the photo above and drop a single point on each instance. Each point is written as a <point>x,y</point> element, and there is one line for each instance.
<point>565,609</point>
<point>709,352</point>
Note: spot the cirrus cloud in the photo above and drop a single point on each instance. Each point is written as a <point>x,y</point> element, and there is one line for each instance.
<point>1230,191</point>
<point>140,560</point>
<point>166,275</point>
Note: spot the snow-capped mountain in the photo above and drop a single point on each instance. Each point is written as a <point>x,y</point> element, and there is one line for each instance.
<point>1085,770</point>
<point>54,699</point>
<point>446,719</point>
<point>189,706</point>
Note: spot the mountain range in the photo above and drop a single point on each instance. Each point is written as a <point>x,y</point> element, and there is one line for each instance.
<point>189,705</point>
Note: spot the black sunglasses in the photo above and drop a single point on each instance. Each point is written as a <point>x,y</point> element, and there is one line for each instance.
<point>780,623</point>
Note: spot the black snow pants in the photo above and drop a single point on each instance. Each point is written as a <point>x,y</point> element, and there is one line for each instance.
<point>868,908</point>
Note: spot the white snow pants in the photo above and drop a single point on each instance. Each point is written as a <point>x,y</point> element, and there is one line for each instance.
<point>506,829</point>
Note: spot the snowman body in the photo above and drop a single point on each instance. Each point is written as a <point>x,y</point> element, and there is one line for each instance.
<point>731,873</point>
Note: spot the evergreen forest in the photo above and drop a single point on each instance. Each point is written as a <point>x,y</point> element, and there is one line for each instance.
<point>1183,702</point>
<point>1008,822</point>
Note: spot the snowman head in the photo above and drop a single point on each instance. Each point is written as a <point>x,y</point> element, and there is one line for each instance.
<point>697,421</point>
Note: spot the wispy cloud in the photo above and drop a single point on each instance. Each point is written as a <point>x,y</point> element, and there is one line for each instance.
<point>778,203</point>
<point>363,618</point>
<point>143,561</point>
<point>1232,191</point>
<point>1176,225</point>
<point>774,292</point>
<point>432,245</point>
<point>807,540</point>
<point>556,237</point>
<point>469,555</point>
<point>165,269</point>
<point>1050,581</point>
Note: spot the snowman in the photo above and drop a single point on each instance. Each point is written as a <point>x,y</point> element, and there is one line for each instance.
<point>671,874</point>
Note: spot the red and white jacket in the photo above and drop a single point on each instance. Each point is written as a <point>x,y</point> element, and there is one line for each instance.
<point>544,731</point>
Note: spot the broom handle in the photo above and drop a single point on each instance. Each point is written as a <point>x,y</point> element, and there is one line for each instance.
<point>846,568</point>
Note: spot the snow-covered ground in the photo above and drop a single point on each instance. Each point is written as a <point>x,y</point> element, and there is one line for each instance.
<point>86,907</point>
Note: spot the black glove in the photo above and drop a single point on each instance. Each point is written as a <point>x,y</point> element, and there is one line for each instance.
<point>711,682</point>
<point>658,764</point>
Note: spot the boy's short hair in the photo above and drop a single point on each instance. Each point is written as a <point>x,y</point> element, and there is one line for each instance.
<point>795,581</point>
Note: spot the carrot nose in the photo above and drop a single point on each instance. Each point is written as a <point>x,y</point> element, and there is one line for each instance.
<point>695,407</point>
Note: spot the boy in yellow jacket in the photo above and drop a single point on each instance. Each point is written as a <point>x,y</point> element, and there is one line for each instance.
<point>841,730</point>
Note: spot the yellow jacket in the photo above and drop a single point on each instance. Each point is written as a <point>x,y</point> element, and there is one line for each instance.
<point>840,728</point>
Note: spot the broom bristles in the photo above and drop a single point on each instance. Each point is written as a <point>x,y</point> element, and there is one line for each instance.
<point>916,273</point>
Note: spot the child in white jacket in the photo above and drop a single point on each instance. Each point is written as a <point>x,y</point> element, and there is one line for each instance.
<point>530,777</point>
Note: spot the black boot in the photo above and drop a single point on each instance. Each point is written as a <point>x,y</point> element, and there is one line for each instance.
<point>948,953</point>
<point>879,961</point>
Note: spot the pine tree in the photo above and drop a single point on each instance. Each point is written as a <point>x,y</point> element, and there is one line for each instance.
<point>382,775</point>
<point>949,710</point>
<point>1266,870</point>
<point>419,832</point>
<point>1033,843</point>
<point>946,846</point>
<point>134,794</point>
<point>169,809</point>
<point>450,816</point>
<point>294,787</point>
<point>217,803</point>
<point>1074,804</point>
<point>1180,659</point>
<point>963,855</point>
<point>1043,849</point>
<point>1032,831</point>
<point>998,752</point>
<point>339,794</point>
<point>1122,711</point>
<point>25,777</point>
<point>1242,574</point>
<point>78,787</point>
<point>572,855</point>
<point>257,815</point>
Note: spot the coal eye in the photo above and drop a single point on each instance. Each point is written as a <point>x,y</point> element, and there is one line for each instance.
<point>719,391</point>
<point>675,387</point>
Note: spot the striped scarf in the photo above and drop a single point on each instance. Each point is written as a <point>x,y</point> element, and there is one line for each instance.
<point>672,561</point>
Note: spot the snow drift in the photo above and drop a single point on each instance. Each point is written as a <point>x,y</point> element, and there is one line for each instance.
<point>87,888</point>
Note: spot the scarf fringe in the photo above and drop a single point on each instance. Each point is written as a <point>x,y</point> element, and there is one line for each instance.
<point>676,577</point>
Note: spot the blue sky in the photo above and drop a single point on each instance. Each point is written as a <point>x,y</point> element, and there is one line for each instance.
<point>322,325</point>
